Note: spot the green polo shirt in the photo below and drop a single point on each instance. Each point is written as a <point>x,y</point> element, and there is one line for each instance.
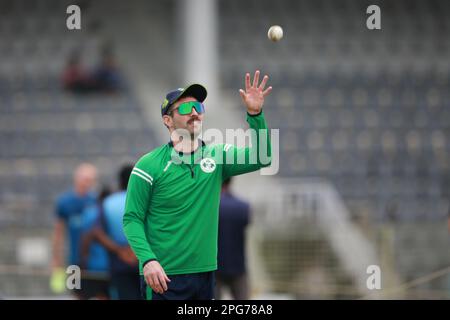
<point>172,205</point>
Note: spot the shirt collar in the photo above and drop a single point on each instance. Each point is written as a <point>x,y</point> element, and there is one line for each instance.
<point>203,144</point>
<point>196,155</point>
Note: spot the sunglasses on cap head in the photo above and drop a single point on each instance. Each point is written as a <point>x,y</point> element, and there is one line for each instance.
<point>186,107</point>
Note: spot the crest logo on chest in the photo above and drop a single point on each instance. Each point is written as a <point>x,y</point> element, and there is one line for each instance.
<point>208,165</point>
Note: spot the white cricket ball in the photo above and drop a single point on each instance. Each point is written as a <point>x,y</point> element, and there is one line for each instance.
<point>275,33</point>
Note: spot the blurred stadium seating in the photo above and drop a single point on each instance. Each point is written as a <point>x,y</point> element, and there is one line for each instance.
<point>368,111</point>
<point>45,131</point>
<point>348,114</point>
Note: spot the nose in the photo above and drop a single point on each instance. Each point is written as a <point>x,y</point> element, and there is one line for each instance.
<point>194,112</point>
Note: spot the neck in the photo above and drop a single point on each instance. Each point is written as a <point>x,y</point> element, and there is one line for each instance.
<point>80,192</point>
<point>185,145</point>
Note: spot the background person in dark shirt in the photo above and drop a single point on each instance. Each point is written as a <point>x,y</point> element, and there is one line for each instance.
<point>234,216</point>
<point>107,76</point>
<point>75,77</point>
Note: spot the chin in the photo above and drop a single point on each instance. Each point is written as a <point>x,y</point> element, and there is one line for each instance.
<point>196,130</point>
<point>195,134</point>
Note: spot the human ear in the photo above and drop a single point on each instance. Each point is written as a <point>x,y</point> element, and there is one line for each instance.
<point>167,121</point>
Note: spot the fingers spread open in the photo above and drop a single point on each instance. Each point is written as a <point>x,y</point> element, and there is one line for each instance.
<point>242,93</point>
<point>247,81</point>
<point>256,79</point>
<point>263,82</point>
<point>267,91</point>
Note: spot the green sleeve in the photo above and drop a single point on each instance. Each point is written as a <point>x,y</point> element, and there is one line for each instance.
<point>139,194</point>
<point>256,157</point>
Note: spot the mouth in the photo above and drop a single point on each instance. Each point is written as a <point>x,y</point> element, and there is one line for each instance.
<point>193,121</point>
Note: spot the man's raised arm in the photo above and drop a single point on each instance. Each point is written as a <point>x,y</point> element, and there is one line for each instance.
<point>243,160</point>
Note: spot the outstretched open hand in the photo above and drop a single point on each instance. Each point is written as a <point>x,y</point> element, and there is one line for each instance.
<point>254,95</point>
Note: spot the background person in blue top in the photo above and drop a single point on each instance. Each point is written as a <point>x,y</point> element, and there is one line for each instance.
<point>124,269</point>
<point>94,262</point>
<point>234,216</point>
<point>67,229</point>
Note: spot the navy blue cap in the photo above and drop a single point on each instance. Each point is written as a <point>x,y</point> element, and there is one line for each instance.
<point>196,91</point>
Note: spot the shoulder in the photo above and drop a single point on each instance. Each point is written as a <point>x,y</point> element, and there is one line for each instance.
<point>219,147</point>
<point>109,199</point>
<point>114,198</point>
<point>65,197</point>
<point>240,203</point>
<point>152,159</point>
<point>223,146</point>
<point>151,164</point>
<point>148,159</point>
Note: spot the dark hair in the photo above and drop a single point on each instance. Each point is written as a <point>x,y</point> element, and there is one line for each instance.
<point>124,175</point>
<point>104,192</point>
<point>170,110</point>
<point>168,113</point>
<point>226,182</point>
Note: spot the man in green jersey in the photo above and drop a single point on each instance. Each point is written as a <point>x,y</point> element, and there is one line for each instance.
<point>172,204</point>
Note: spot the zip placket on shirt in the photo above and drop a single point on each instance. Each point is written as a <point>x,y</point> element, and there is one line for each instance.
<point>191,166</point>
<point>192,170</point>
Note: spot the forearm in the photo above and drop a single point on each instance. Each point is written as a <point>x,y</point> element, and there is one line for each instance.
<point>134,230</point>
<point>258,155</point>
<point>57,246</point>
<point>57,257</point>
<point>101,237</point>
<point>84,248</point>
<point>260,149</point>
